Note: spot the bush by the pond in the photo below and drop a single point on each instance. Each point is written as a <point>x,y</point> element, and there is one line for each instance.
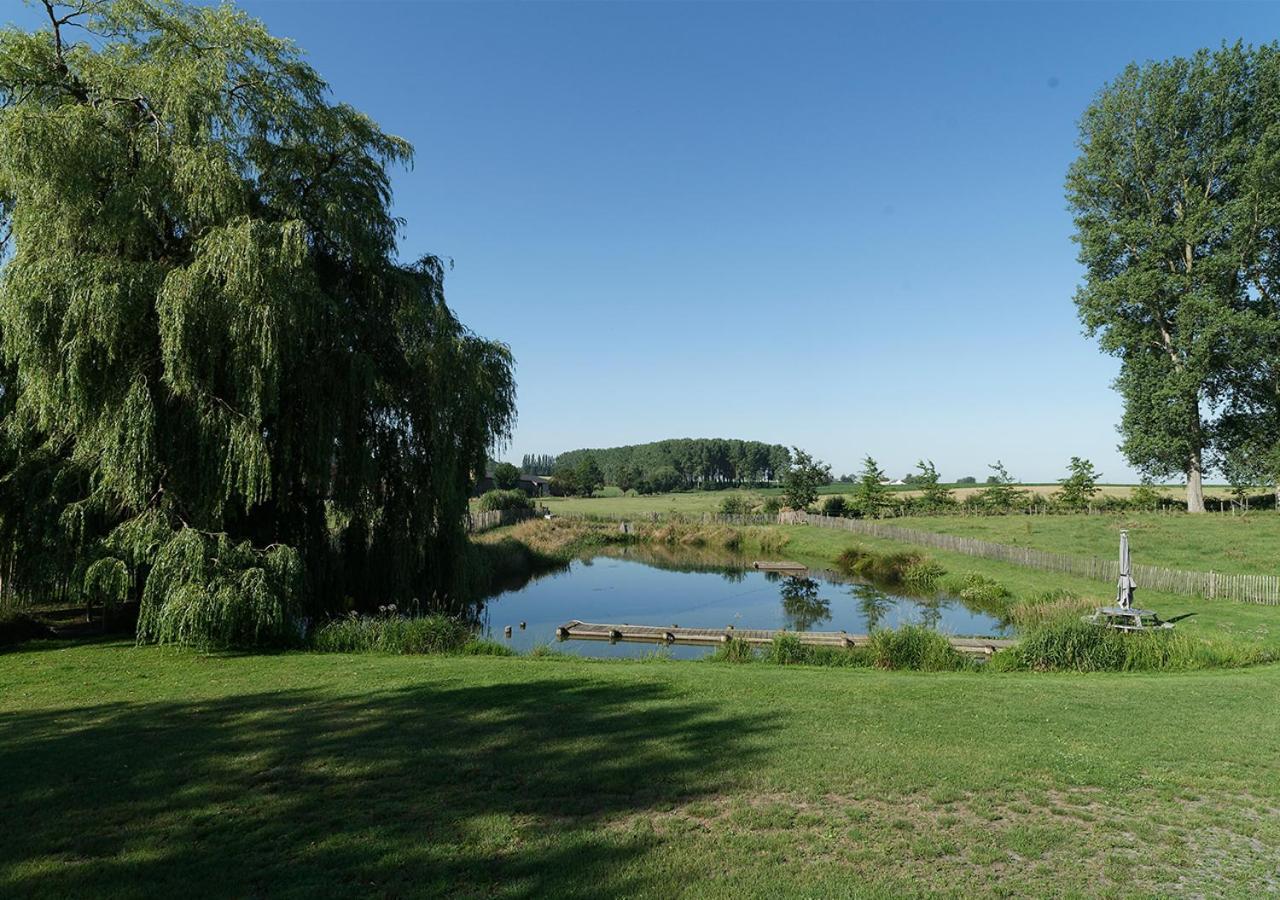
<point>886,568</point>
<point>977,591</point>
<point>496,500</point>
<point>922,577</point>
<point>735,505</point>
<point>916,647</point>
<point>392,634</point>
<point>1075,646</point>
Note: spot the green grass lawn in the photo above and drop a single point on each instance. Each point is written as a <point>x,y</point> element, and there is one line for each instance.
<point>145,772</point>
<point>1222,543</point>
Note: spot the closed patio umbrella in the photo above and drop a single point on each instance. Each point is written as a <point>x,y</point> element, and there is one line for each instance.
<point>1124,591</point>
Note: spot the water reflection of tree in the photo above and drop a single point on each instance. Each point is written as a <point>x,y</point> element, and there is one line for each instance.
<point>874,604</point>
<point>930,612</point>
<point>801,605</point>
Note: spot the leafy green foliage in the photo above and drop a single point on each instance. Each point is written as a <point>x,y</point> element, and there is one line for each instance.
<point>1081,484</point>
<point>870,496</point>
<point>802,479</point>
<point>495,500</point>
<point>835,506</point>
<point>935,496</point>
<point>214,370</point>
<point>1176,214</point>
<point>505,476</point>
<point>683,463</point>
<point>977,591</point>
<point>1000,493</point>
<point>587,475</point>
<point>206,591</point>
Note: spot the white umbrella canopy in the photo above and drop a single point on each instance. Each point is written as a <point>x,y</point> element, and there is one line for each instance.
<point>1124,590</point>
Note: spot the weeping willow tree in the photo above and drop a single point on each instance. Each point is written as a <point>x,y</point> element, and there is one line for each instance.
<point>221,393</point>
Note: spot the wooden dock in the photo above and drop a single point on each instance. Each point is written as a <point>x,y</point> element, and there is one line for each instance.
<point>793,568</point>
<point>709,637</point>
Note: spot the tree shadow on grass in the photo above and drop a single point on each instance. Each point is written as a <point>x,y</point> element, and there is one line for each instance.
<point>529,789</point>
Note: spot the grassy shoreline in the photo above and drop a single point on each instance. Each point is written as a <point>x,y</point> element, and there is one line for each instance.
<point>316,775</point>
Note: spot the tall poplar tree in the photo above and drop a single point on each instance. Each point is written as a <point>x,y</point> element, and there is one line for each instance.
<point>240,407</point>
<point>1173,195</point>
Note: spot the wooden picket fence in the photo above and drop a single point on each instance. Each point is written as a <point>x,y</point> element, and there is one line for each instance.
<point>1264,589</point>
<point>477,522</point>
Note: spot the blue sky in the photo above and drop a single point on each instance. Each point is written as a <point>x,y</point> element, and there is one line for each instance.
<point>835,225</point>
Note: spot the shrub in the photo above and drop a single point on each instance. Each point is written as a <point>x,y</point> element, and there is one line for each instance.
<point>735,505</point>
<point>922,577</point>
<point>886,568</point>
<point>772,506</point>
<point>506,476</point>
<point>835,506</point>
<point>495,500</point>
<point>392,634</point>
<point>977,591</point>
<point>915,647</point>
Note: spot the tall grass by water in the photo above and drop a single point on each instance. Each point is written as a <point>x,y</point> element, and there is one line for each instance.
<point>403,635</point>
<point>1068,645</point>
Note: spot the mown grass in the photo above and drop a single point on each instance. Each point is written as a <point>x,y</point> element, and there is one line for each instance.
<point>1221,543</point>
<point>144,771</point>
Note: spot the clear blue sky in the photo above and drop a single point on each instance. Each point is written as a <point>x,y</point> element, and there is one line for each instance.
<point>835,225</point>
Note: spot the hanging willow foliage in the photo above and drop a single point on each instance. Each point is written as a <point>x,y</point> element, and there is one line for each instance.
<point>221,394</point>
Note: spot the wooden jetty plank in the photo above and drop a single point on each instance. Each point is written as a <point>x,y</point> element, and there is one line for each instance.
<point>782,565</point>
<point>706,637</point>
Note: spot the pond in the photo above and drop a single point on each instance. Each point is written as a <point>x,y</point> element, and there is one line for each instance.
<point>640,586</point>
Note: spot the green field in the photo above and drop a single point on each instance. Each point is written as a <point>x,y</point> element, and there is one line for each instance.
<point>1221,543</point>
<point>611,501</point>
<point>132,772</point>
<point>1213,541</point>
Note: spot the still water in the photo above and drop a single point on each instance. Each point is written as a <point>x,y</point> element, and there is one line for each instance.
<point>637,587</point>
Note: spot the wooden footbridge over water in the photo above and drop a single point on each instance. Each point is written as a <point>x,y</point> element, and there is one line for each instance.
<point>709,637</point>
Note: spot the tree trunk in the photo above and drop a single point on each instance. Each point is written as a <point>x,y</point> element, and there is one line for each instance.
<point>1195,486</point>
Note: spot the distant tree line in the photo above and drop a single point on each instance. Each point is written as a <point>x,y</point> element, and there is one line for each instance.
<point>537,464</point>
<point>678,464</point>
